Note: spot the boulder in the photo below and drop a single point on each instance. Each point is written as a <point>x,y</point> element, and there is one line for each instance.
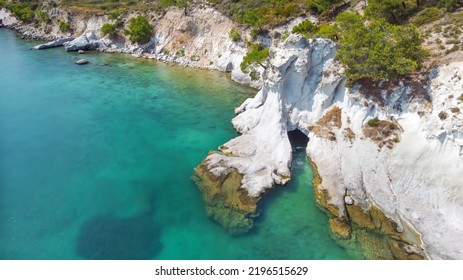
<point>81,62</point>
<point>52,44</point>
<point>88,41</point>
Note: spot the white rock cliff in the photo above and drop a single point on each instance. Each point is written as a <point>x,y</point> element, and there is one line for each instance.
<point>408,162</point>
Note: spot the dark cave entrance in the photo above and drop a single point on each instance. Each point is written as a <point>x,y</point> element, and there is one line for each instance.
<point>298,139</point>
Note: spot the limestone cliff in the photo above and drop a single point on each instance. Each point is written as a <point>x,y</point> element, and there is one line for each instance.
<point>388,155</point>
<point>198,38</point>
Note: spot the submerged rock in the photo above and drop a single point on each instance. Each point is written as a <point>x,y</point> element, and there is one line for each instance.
<point>88,41</point>
<point>52,44</point>
<point>114,238</point>
<point>226,202</point>
<point>81,62</point>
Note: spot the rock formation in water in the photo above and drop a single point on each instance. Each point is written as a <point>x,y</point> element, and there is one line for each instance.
<point>388,156</point>
<point>86,42</point>
<point>52,44</point>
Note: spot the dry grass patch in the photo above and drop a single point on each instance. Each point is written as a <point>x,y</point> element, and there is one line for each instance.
<point>324,126</point>
<point>382,132</point>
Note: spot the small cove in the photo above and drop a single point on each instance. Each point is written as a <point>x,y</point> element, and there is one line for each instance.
<point>96,163</point>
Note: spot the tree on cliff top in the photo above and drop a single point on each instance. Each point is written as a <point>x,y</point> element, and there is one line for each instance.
<point>254,58</point>
<point>377,50</point>
<point>139,30</point>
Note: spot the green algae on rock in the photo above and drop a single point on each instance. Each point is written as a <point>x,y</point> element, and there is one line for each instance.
<point>226,202</point>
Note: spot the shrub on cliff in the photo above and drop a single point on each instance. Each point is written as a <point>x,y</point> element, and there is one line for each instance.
<point>306,28</point>
<point>109,29</point>
<point>377,50</point>
<point>22,11</point>
<point>327,31</point>
<point>64,26</point>
<point>42,16</point>
<point>321,6</point>
<point>394,11</point>
<point>234,35</point>
<point>254,58</point>
<point>139,30</point>
<point>262,14</point>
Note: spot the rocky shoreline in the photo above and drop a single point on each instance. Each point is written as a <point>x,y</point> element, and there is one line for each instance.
<point>372,180</point>
<point>197,40</point>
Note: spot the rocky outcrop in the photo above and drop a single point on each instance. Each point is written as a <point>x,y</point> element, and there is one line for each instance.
<point>6,19</point>
<point>81,62</point>
<point>226,202</point>
<point>386,162</point>
<point>86,42</point>
<point>52,44</point>
<point>262,153</point>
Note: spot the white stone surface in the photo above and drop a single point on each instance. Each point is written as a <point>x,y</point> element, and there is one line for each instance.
<point>6,18</point>
<point>263,152</point>
<point>419,181</point>
<point>87,41</point>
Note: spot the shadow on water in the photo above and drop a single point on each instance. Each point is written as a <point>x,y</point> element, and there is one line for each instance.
<point>113,238</point>
<point>299,143</point>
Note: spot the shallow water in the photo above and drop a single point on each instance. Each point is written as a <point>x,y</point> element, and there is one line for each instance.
<point>96,163</point>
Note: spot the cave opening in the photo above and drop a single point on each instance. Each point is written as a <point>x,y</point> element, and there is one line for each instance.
<point>298,139</point>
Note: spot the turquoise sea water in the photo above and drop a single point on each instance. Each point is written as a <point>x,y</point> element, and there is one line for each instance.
<point>96,163</point>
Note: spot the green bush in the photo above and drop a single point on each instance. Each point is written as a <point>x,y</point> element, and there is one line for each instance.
<point>22,11</point>
<point>327,31</point>
<point>393,11</point>
<point>251,18</point>
<point>461,97</point>
<point>373,122</point>
<point>428,15</point>
<point>42,16</point>
<point>451,5</point>
<point>306,28</point>
<point>109,29</point>
<point>321,6</point>
<point>139,30</point>
<point>114,14</point>
<point>64,26</point>
<point>180,53</point>
<point>254,58</point>
<point>234,35</point>
<point>378,50</point>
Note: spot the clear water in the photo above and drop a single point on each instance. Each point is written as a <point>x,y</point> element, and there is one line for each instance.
<point>96,163</point>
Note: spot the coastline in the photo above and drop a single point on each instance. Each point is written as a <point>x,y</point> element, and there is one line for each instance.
<point>201,36</point>
<point>386,215</point>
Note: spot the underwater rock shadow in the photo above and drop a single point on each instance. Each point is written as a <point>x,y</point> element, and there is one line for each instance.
<point>112,238</point>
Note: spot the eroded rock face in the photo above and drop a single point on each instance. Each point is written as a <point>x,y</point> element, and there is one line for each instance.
<point>406,166</point>
<point>86,42</point>
<point>262,154</point>
<point>386,161</point>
